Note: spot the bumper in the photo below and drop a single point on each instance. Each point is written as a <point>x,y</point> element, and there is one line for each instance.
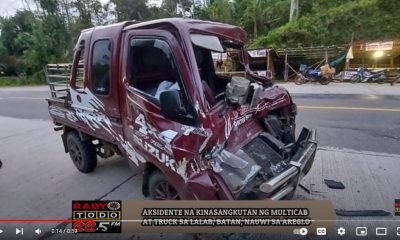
<point>286,182</point>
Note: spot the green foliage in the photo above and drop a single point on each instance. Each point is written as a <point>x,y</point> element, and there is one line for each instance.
<point>131,10</point>
<point>21,22</point>
<point>332,24</point>
<point>221,11</point>
<point>3,53</point>
<point>42,49</point>
<point>37,79</point>
<point>168,8</point>
<point>34,38</point>
<point>260,16</point>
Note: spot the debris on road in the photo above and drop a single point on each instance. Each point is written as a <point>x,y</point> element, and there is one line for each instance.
<point>334,184</point>
<point>1,163</point>
<point>305,188</point>
<point>309,190</point>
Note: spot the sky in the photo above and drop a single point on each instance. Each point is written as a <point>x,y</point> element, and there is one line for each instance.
<point>9,7</point>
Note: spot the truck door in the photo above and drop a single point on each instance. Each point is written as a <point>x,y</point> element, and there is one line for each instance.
<point>153,62</point>
<point>96,102</point>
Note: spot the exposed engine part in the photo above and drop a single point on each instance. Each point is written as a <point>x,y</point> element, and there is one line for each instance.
<point>214,151</point>
<point>236,90</point>
<point>236,171</point>
<point>299,163</point>
<point>280,129</point>
<point>232,160</point>
<point>266,156</point>
<point>255,90</point>
<point>245,170</point>
<point>277,145</point>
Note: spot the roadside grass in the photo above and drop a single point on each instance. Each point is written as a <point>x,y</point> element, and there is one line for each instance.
<point>20,81</point>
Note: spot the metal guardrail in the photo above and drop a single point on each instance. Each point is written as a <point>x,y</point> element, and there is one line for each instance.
<point>58,77</point>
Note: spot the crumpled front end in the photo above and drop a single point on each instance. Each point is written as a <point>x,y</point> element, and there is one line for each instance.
<point>265,168</point>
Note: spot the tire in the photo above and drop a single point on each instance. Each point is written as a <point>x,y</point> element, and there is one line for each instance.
<point>325,80</point>
<point>381,80</point>
<point>337,80</point>
<point>82,153</point>
<point>300,79</point>
<point>354,79</point>
<point>160,188</point>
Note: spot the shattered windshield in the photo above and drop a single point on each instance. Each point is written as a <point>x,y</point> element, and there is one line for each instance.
<point>217,61</point>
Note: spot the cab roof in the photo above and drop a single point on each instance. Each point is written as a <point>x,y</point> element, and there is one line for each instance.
<point>189,25</point>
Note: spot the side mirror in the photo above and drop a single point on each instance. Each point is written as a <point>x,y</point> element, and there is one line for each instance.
<point>171,104</point>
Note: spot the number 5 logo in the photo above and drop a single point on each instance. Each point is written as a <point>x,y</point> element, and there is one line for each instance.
<point>103,226</point>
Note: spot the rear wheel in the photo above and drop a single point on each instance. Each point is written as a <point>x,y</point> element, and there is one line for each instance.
<point>355,79</point>
<point>82,153</point>
<point>160,188</point>
<point>300,79</point>
<point>381,80</point>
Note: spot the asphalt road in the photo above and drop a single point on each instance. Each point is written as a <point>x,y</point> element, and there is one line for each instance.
<point>359,122</point>
<point>351,121</point>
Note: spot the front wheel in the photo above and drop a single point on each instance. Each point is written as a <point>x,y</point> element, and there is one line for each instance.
<point>82,153</point>
<point>160,188</point>
<point>381,80</point>
<point>325,80</point>
<point>300,79</point>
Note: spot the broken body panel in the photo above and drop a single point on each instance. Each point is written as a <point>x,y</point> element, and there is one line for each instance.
<point>211,151</point>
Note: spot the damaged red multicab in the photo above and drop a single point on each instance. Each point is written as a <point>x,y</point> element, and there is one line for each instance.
<point>149,91</point>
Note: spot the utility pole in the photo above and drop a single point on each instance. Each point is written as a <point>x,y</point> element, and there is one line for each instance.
<point>294,10</point>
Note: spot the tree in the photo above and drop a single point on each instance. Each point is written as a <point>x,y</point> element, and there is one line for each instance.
<point>131,10</point>
<point>11,27</point>
<point>368,19</point>
<point>260,16</point>
<point>294,9</point>
<point>254,11</point>
<point>168,8</point>
<point>42,49</point>
<point>88,12</point>
<point>219,10</point>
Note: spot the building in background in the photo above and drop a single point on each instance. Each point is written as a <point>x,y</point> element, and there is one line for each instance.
<point>379,54</point>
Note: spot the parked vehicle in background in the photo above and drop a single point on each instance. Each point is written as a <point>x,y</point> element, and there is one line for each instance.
<point>149,91</point>
<point>309,74</point>
<point>396,79</point>
<point>365,75</point>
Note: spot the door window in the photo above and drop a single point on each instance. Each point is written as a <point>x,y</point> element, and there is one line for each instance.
<point>78,74</point>
<point>101,65</point>
<point>153,68</point>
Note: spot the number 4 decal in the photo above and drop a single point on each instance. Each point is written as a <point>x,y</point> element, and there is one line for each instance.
<point>141,122</point>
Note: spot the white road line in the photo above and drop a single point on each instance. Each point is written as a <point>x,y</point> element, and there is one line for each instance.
<point>27,98</point>
<point>350,108</point>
